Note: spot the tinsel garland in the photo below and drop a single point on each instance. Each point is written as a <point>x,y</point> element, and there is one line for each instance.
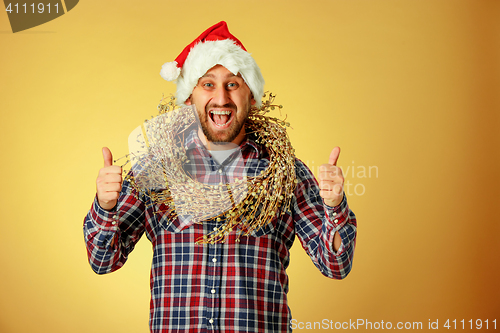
<point>246,204</point>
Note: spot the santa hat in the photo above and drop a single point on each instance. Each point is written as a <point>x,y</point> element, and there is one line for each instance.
<point>215,46</point>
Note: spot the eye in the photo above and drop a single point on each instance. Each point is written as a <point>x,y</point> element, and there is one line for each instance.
<point>232,85</point>
<point>208,85</point>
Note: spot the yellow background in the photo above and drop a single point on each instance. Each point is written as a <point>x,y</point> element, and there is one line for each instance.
<point>409,88</point>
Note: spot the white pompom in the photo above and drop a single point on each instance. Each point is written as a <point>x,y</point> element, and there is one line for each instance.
<point>170,71</point>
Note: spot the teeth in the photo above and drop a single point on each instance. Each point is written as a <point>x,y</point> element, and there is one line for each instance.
<point>221,112</point>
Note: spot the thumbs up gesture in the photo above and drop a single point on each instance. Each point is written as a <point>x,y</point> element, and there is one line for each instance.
<point>331,180</point>
<point>109,182</point>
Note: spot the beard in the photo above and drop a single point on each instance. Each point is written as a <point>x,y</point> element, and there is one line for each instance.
<point>229,134</point>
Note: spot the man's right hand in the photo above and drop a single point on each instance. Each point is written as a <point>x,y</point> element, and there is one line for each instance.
<point>109,182</point>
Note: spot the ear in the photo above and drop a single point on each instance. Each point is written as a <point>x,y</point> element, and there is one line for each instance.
<point>252,100</point>
<point>188,101</point>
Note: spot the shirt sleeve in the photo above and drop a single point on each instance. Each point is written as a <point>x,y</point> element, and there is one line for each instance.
<point>110,236</point>
<point>316,224</point>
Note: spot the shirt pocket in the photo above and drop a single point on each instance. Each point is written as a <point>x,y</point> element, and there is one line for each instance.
<point>164,220</point>
<point>264,230</point>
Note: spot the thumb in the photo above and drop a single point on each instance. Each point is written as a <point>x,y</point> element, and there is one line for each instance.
<point>107,156</point>
<point>334,156</point>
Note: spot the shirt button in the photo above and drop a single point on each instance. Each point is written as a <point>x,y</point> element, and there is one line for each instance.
<point>214,259</point>
<point>211,321</point>
<point>113,223</point>
<point>336,221</point>
<point>220,170</point>
<point>334,214</point>
<point>215,229</point>
<point>212,291</point>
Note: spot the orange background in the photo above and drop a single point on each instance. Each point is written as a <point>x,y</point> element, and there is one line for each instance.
<point>408,88</point>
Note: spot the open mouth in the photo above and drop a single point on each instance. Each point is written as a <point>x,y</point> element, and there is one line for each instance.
<point>221,118</point>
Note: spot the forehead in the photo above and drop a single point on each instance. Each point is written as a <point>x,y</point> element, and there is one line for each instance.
<point>220,72</point>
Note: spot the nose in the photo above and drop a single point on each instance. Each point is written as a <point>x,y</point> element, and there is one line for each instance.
<point>221,96</point>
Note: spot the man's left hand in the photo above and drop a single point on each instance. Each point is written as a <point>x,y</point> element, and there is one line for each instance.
<point>331,180</point>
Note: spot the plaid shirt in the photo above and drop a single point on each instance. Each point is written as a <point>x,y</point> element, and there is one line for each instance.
<point>236,286</point>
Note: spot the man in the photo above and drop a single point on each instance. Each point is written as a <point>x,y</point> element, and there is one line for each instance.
<point>236,283</point>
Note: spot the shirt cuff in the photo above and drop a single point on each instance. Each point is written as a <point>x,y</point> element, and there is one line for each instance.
<point>104,219</point>
<point>338,215</point>
<point>336,219</point>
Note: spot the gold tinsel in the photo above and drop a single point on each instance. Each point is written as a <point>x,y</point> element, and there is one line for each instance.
<point>246,204</point>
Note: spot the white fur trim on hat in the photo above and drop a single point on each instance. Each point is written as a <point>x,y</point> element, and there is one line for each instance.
<point>204,56</point>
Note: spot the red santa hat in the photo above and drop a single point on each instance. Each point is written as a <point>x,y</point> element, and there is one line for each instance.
<point>215,46</point>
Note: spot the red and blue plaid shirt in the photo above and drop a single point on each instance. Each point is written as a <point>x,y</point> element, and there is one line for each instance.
<point>235,286</point>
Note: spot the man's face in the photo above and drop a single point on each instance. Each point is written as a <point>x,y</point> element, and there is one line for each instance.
<point>222,101</point>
